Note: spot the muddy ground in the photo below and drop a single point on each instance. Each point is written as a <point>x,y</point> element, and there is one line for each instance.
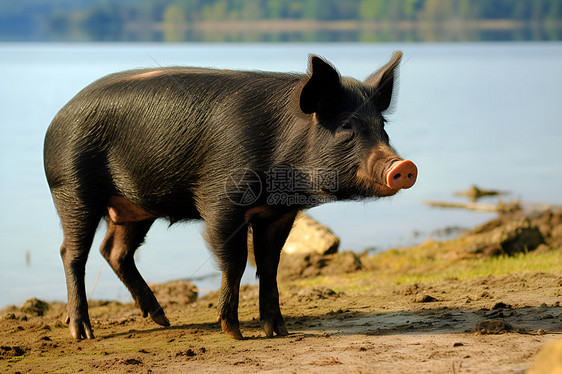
<point>355,318</point>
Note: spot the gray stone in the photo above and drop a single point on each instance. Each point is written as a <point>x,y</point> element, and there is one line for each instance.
<point>310,236</point>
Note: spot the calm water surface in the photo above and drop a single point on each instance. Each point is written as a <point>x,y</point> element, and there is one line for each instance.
<point>485,114</point>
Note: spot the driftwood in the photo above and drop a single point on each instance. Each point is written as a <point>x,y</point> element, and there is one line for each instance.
<point>475,193</point>
<point>500,207</point>
<point>478,207</point>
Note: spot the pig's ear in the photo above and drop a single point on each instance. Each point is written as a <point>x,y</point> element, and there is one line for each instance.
<point>383,82</point>
<point>323,83</point>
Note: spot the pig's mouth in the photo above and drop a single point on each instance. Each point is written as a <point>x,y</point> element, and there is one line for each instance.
<point>381,190</point>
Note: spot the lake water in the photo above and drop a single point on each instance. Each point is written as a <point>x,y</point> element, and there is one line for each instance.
<point>485,114</point>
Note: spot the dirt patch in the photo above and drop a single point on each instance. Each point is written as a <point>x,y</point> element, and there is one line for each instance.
<point>11,351</point>
<point>181,292</point>
<point>425,299</point>
<point>517,232</point>
<point>331,331</point>
<point>34,307</point>
<point>339,321</point>
<point>494,326</point>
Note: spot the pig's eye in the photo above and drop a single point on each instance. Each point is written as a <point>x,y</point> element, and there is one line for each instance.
<point>346,126</point>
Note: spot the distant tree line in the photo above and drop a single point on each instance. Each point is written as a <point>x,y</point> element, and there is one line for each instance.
<point>438,10</point>
<point>112,19</point>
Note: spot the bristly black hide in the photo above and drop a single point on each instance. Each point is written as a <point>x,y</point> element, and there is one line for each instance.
<point>164,143</point>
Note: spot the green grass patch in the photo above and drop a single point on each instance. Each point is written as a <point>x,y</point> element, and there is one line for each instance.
<point>549,262</point>
<point>433,262</point>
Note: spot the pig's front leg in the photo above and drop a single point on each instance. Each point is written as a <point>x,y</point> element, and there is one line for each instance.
<point>269,236</point>
<point>230,246</point>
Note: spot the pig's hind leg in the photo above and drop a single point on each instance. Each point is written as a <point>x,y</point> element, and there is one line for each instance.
<point>79,226</point>
<point>269,236</point>
<point>118,248</point>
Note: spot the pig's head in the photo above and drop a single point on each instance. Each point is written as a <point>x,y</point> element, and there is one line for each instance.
<point>347,132</point>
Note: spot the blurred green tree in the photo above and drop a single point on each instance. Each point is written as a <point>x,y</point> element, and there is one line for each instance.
<point>174,23</point>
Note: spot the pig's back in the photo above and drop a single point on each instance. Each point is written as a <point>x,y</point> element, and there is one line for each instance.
<point>152,134</point>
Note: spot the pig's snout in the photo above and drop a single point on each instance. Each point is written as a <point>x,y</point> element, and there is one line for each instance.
<point>401,174</point>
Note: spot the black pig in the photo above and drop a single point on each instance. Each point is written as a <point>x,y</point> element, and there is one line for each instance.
<point>190,143</point>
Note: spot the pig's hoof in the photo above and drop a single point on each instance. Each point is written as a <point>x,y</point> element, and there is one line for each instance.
<point>160,319</point>
<point>282,330</point>
<point>277,326</point>
<point>234,334</point>
<point>232,331</point>
<point>81,330</point>
<point>157,316</point>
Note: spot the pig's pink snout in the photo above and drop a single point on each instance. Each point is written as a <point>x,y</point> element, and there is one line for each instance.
<point>401,174</point>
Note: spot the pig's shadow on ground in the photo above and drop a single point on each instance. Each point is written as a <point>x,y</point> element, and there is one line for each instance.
<point>442,320</point>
